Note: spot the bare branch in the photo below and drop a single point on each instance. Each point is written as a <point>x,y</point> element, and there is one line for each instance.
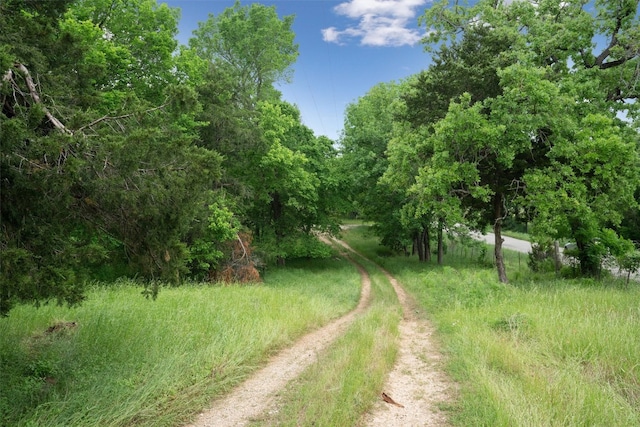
<point>35,96</point>
<point>8,76</point>
<point>33,91</point>
<point>244,250</point>
<point>116,118</point>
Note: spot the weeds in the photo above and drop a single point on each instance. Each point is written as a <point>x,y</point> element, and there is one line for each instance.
<point>133,361</point>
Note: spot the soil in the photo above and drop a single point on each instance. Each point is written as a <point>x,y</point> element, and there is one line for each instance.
<point>416,384</point>
<point>417,381</point>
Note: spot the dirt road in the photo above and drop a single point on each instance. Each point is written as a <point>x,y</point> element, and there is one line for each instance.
<point>257,394</point>
<point>416,383</point>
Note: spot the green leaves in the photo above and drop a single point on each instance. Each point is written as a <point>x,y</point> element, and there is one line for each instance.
<point>538,129</point>
<point>592,177</point>
<point>253,44</point>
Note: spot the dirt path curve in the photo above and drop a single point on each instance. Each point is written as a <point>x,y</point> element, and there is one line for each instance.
<point>257,394</point>
<point>417,381</point>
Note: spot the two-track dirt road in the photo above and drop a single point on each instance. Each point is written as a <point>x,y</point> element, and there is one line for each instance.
<point>416,382</point>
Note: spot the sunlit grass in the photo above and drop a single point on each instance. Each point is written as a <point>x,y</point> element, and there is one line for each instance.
<point>135,361</point>
<point>540,351</point>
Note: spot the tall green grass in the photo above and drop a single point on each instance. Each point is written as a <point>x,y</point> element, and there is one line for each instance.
<point>537,352</point>
<point>349,376</point>
<point>132,361</point>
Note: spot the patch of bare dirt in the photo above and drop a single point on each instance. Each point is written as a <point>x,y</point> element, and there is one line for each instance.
<point>257,394</point>
<point>417,386</point>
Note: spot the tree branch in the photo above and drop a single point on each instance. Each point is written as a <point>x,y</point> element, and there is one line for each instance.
<point>617,62</point>
<point>614,41</point>
<point>244,250</point>
<point>8,76</point>
<point>36,98</point>
<point>124,116</point>
<point>630,52</point>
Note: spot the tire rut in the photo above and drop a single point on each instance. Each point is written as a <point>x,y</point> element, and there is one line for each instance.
<point>257,394</point>
<point>417,382</point>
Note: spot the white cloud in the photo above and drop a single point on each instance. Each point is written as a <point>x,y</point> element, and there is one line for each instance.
<point>381,22</point>
<point>330,35</point>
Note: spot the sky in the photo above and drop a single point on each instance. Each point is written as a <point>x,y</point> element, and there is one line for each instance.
<point>345,48</point>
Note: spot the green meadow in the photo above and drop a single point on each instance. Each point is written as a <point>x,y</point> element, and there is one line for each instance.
<point>539,351</point>
<point>133,361</point>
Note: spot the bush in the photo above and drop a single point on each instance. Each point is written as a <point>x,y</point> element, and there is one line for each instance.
<point>542,256</point>
<point>630,263</point>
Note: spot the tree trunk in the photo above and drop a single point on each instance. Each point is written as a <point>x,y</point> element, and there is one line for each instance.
<point>426,241</point>
<point>497,230</point>
<point>556,255</point>
<point>440,243</point>
<point>276,214</point>
<point>419,246</point>
<point>589,262</point>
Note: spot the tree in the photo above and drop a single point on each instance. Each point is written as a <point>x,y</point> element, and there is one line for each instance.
<point>253,44</point>
<point>407,151</point>
<point>468,67</point>
<point>131,48</point>
<point>554,41</point>
<point>247,50</point>
<point>95,170</point>
<point>293,189</point>
<point>369,126</point>
<point>587,186</point>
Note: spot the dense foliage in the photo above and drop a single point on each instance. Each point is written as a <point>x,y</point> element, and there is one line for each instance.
<point>123,154</point>
<point>528,112</point>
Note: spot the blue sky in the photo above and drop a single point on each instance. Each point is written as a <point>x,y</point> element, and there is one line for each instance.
<point>345,48</point>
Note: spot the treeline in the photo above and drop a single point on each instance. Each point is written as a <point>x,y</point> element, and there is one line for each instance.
<point>126,154</point>
<point>527,114</point>
<point>123,153</point>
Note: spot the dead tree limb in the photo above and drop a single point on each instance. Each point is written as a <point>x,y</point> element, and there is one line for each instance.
<point>124,116</point>
<point>35,96</point>
<point>33,91</point>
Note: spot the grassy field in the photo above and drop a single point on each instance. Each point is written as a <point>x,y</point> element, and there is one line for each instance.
<point>537,352</point>
<point>132,361</point>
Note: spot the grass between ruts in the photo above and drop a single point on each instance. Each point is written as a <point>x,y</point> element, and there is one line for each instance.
<point>348,377</point>
<point>540,351</point>
<point>132,361</point>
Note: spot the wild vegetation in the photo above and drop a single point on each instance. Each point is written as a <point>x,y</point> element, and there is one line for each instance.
<point>540,351</point>
<point>528,113</point>
<point>129,155</point>
<point>120,359</point>
<point>125,156</point>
